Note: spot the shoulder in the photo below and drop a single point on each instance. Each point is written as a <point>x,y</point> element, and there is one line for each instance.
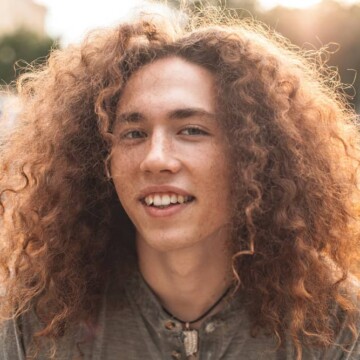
<point>11,345</point>
<point>16,336</point>
<point>348,336</point>
<point>16,340</point>
<point>346,325</point>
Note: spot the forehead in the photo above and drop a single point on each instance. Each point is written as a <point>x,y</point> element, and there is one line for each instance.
<point>167,84</point>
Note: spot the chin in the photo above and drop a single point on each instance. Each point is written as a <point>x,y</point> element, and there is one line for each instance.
<point>164,242</point>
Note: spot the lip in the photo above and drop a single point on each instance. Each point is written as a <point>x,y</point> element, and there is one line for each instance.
<point>165,212</point>
<point>149,190</point>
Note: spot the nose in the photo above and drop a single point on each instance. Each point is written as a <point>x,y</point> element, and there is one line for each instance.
<point>160,155</point>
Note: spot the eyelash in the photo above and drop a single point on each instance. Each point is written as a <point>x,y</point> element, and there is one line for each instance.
<point>131,132</point>
<point>198,132</point>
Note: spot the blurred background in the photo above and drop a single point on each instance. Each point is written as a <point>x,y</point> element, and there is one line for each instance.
<point>29,29</point>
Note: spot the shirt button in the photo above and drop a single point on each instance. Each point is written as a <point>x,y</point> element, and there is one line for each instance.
<point>210,327</point>
<point>170,325</point>
<point>176,355</point>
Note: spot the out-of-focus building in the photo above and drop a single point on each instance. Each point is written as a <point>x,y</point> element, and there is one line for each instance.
<point>27,14</point>
<point>9,108</point>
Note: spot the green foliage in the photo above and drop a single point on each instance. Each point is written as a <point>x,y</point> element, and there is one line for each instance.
<point>20,48</point>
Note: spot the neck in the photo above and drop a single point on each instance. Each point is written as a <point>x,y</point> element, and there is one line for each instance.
<point>187,281</point>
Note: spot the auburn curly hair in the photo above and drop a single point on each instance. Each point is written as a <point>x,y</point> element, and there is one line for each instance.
<point>294,147</point>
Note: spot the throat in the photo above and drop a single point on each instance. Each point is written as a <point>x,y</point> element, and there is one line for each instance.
<point>189,323</point>
<point>182,279</point>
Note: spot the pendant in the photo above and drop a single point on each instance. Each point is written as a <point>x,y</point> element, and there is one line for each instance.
<point>191,339</point>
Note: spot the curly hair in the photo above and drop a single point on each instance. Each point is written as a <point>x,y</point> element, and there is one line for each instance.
<point>294,158</point>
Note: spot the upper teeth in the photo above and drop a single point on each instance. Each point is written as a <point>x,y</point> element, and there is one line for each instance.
<point>165,199</point>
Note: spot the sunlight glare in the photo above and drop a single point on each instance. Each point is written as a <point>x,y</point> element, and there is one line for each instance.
<point>300,4</point>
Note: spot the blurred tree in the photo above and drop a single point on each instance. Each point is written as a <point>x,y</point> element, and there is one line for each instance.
<point>24,46</point>
<point>195,5</point>
<point>329,22</point>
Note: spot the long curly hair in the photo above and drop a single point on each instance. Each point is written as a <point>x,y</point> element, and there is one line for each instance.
<point>294,159</point>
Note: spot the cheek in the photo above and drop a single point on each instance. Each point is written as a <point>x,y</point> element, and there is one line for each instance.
<point>220,169</point>
<point>220,184</point>
<point>121,169</point>
<point>123,163</point>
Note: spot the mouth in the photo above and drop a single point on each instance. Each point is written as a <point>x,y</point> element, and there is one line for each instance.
<point>166,200</point>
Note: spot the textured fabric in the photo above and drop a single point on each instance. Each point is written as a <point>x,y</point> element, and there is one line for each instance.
<point>132,325</point>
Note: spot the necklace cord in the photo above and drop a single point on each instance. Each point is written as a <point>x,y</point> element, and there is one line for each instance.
<point>207,312</point>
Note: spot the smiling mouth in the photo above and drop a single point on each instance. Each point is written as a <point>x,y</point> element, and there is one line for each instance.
<point>162,201</point>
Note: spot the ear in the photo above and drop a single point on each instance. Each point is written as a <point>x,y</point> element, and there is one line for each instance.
<point>108,167</point>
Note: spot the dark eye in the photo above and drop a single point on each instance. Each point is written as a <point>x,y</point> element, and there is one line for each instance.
<point>193,130</point>
<point>134,134</point>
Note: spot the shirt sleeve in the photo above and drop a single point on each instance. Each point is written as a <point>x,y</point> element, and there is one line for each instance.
<point>11,341</point>
<point>346,345</point>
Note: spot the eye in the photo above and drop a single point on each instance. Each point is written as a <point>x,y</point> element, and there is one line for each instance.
<point>193,131</point>
<point>134,134</point>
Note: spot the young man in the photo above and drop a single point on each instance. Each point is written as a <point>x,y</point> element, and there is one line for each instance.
<point>180,194</point>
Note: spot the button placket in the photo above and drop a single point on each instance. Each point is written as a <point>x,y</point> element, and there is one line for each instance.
<point>210,338</point>
<point>170,325</point>
<point>173,338</point>
<point>176,355</point>
<point>210,327</point>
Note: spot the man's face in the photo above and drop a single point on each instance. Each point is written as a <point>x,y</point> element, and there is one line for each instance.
<point>169,165</point>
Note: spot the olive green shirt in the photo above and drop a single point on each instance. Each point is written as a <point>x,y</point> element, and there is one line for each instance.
<point>133,325</point>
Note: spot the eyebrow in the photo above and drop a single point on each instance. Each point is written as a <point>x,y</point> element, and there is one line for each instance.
<point>131,117</point>
<point>191,112</point>
<point>177,114</point>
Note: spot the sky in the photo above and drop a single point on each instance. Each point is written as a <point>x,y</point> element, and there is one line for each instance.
<point>70,20</point>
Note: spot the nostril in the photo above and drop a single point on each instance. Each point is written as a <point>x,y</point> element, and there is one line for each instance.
<point>160,164</point>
